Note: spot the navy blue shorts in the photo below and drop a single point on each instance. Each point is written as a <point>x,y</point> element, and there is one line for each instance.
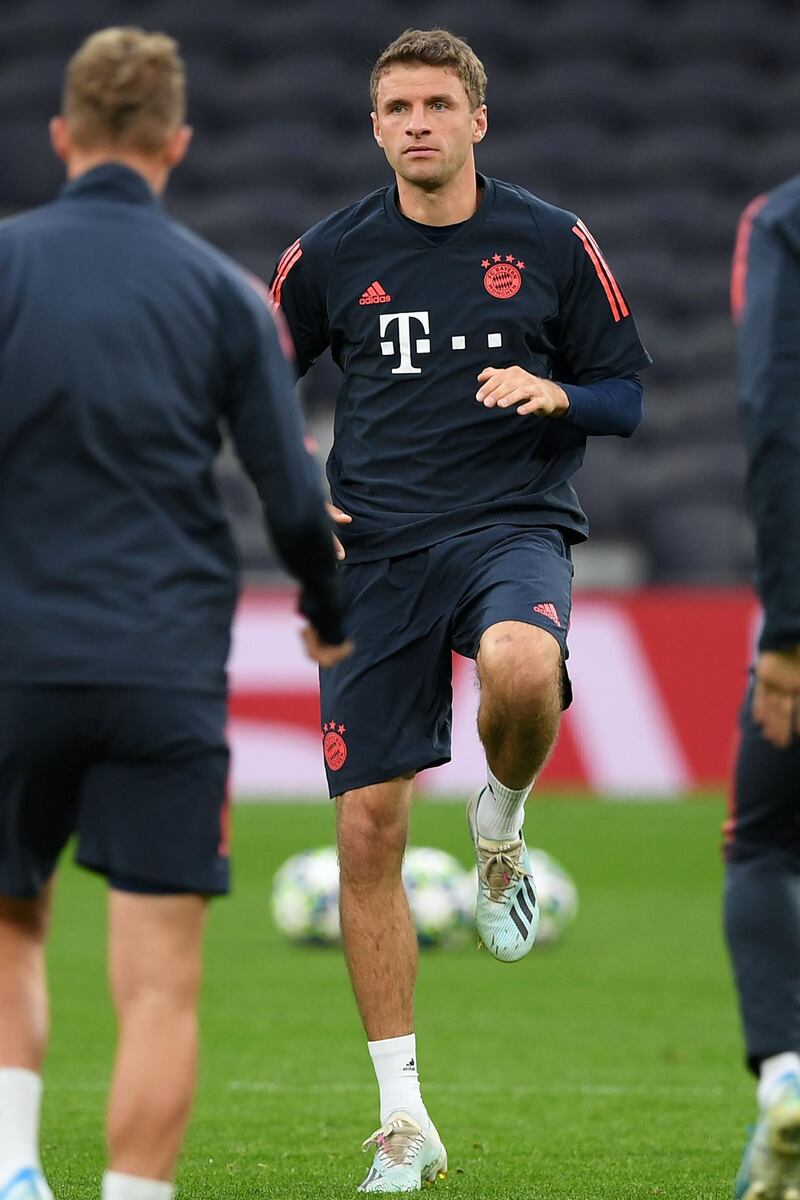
<point>138,774</point>
<point>387,710</point>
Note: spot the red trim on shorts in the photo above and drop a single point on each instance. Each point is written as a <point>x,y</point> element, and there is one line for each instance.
<point>224,847</point>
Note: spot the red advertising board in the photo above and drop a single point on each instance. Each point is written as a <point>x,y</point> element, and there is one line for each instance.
<point>658,676</point>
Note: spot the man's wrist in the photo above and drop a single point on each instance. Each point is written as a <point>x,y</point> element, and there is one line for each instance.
<point>562,400</point>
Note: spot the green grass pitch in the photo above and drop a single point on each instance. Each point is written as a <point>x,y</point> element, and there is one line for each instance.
<point>607,1066</point>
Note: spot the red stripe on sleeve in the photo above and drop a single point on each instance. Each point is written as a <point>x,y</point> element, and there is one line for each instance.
<point>288,252</point>
<point>278,319</point>
<point>740,256</point>
<point>623,306</point>
<point>288,261</point>
<point>612,299</point>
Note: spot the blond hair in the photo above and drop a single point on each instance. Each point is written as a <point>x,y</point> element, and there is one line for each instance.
<point>434,48</point>
<point>126,88</point>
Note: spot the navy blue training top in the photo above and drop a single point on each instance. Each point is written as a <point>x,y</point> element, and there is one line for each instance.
<point>124,341</point>
<point>765,293</point>
<point>412,323</point>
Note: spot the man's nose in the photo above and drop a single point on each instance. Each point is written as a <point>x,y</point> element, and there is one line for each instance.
<point>417,121</point>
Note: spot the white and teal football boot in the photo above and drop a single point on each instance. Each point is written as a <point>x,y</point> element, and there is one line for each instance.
<point>405,1156</point>
<point>770,1168</point>
<point>27,1184</point>
<point>507,914</point>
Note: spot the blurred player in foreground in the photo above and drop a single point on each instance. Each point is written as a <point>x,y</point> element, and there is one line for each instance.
<point>482,336</point>
<point>124,342</point>
<point>762,898</point>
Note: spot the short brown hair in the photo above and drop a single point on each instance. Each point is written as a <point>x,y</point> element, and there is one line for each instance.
<point>125,87</point>
<point>434,48</point>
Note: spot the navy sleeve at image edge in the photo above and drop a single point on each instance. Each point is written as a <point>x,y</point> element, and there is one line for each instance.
<point>769,357</point>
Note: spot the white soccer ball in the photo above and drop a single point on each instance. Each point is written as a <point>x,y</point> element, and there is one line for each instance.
<point>441,897</point>
<point>556,895</point>
<point>305,897</point>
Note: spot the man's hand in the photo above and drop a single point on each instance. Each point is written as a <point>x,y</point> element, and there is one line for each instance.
<point>776,697</point>
<point>340,518</point>
<point>504,386</point>
<point>321,652</point>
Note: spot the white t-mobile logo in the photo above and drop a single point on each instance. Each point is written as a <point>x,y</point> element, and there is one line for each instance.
<point>422,345</point>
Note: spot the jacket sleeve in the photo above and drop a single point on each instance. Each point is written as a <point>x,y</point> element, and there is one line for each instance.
<point>266,427</point>
<point>769,366</point>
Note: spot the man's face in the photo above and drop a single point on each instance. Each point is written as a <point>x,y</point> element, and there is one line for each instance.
<point>425,123</point>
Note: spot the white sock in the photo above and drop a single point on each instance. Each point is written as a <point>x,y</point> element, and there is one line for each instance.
<point>131,1187</point>
<point>772,1070</point>
<point>20,1104</point>
<point>395,1063</point>
<point>501,810</point>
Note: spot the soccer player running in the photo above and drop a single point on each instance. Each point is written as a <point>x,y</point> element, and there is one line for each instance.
<point>762,895</point>
<point>124,342</point>
<point>482,337</point>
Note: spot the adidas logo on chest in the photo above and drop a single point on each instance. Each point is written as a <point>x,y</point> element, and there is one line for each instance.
<point>375,294</point>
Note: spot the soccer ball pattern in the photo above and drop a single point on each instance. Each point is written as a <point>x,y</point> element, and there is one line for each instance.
<point>557,896</point>
<point>441,896</point>
<point>305,897</point>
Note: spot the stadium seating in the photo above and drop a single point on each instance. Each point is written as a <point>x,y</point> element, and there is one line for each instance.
<point>656,123</point>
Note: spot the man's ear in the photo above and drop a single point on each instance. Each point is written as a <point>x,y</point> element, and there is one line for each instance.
<point>60,139</point>
<point>177,145</point>
<point>480,123</point>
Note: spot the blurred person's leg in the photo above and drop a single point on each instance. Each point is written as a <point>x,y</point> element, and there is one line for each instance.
<point>762,892</point>
<point>41,759</point>
<point>155,947</point>
<point>23,981</point>
<point>23,1034</point>
<point>153,820</point>
<point>762,927</point>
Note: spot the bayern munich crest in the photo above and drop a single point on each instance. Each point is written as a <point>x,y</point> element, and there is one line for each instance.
<point>503,277</point>
<point>334,746</point>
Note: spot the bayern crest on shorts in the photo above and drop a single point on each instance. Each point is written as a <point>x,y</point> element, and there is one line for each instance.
<point>334,746</point>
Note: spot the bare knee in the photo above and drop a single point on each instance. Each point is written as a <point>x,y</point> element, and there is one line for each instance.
<point>520,670</point>
<point>372,829</point>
